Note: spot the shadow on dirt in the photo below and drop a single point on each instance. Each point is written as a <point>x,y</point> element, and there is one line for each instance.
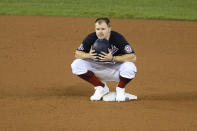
<point>174,96</point>
<point>73,90</point>
<point>79,89</point>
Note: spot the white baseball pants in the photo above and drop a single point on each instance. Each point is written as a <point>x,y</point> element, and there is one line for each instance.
<point>105,72</point>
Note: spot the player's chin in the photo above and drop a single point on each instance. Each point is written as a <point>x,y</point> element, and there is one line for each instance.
<point>101,37</point>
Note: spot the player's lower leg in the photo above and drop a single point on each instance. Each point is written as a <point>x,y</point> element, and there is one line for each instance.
<point>91,78</point>
<point>120,90</point>
<point>123,82</point>
<point>100,90</point>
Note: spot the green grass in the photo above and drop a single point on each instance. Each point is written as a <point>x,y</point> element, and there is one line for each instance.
<point>146,9</point>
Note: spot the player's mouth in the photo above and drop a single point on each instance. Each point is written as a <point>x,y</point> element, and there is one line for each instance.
<point>101,35</point>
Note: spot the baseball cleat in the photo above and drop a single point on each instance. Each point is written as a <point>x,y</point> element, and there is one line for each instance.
<point>99,93</point>
<point>120,94</point>
<point>120,98</point>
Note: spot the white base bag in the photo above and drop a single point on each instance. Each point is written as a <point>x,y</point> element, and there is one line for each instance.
<point>111,96</point>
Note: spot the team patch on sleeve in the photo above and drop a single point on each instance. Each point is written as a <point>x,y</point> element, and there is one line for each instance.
<point>81,47</point>
<point>128,49</point>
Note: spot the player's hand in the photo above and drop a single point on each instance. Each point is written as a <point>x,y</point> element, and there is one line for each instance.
<point>106,56</point>
<point>93,55</point>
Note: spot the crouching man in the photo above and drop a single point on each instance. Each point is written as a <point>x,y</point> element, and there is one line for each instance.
<point>116,65</point>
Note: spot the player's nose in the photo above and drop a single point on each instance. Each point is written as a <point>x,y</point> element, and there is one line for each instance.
<point>100,32</point>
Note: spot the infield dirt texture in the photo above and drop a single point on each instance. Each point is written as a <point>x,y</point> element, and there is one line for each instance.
<point>38,92</point>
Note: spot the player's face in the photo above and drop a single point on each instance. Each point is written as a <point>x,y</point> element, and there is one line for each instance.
<point>102,30</point>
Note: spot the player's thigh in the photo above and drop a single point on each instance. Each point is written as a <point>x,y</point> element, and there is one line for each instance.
<point>80,66</point>
<point>127,70</point>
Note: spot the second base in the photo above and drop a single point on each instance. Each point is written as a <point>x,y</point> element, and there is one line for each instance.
<point>111,96</point>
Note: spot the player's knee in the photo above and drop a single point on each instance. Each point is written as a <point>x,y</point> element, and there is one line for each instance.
<point>78,67</point>
<point>128,70</point>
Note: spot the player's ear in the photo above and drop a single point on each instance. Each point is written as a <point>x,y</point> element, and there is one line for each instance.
<point>110,29</point>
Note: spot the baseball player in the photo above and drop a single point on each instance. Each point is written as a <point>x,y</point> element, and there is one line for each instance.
<point>117,65</point>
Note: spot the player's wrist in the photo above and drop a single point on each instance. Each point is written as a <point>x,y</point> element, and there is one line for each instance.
<point>113,58</point>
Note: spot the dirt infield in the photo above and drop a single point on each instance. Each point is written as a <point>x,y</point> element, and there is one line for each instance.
<point>38,92</point>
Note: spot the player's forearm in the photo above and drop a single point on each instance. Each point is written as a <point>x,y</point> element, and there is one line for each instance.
<point>81,55</point>
<point>125,58</point>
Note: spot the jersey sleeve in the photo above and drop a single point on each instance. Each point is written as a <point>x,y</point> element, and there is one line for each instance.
<point>124,46</point>
<point>87,43</point>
